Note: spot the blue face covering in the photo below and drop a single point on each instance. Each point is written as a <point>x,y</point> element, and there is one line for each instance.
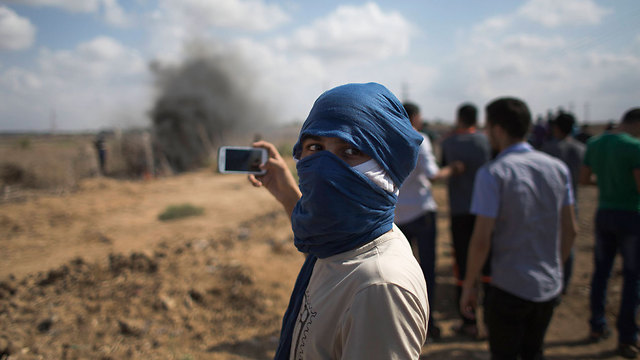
<point>340,208</point>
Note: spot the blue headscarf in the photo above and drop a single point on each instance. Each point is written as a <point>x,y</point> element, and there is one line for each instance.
<point>340,208</point>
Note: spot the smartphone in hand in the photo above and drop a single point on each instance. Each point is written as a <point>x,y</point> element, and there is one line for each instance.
<point>241,160</point>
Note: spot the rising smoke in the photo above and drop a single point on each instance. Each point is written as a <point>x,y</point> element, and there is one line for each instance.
<point>202,102</point>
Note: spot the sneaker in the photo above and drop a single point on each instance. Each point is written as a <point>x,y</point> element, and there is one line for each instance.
<point>596,336</point>
<point>628,351</point>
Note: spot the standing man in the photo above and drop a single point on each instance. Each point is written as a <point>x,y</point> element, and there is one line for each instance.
<point>571,151</point>
<point>524,214</point>
<point>614,159</point>
<point>471,147</point>
<point>360,293</point>
<point>415,212</point>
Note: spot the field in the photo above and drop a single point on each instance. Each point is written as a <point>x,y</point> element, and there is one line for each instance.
<point>89,271</point>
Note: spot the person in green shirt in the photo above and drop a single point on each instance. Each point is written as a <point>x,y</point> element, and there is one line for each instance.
<point>612,162</point>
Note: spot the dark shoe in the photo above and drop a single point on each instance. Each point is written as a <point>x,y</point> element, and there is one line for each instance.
<point>628,351</point>
<point>433,332</point>
<point>470,330</point>
<point>596,336</point>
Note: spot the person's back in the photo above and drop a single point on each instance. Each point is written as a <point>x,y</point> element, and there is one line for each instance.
<point>524,216</point>
<point>525,256</point>
<point>614,158</point>
<point>472,149</point>
<point>570,151</point>
<point>611,156</point>
<point>564,147</point>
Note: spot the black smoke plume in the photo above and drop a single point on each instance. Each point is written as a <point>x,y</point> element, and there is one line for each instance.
<point>201,103</point>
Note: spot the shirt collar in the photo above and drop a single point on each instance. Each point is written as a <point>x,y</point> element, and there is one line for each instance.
<point>517,148</point>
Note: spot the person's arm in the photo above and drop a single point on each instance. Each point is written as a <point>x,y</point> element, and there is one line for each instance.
<point>478,252</point>
<point>278,179</point>
<point>568,230</point>
<point>586,176</point>
<point>453,169</point>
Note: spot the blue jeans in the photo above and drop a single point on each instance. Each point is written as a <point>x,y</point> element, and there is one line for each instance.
<point>617,230</point>
<point>423,231</point>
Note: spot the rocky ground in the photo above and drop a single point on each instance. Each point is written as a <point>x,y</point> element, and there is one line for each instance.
<point>93,274</point>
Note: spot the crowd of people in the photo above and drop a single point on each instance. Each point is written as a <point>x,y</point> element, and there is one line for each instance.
<point>364,195</point>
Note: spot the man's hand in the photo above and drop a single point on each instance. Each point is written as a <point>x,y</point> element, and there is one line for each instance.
<point>278,178</point>
<point>469,301</point>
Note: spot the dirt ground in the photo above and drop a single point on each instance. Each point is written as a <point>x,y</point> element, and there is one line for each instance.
<point>93,274</point>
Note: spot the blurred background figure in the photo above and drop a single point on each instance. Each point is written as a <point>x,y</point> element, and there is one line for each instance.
<point>415,212</point>
<point>471,147</point>
<point>584,134</point>
<point>101,149</point>
<point>564,147</point>
<point>614,159</point>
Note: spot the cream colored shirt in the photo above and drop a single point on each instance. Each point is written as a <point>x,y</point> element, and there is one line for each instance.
<point>367,303</point>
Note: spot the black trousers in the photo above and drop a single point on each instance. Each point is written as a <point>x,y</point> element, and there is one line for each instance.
<point>461,231</point>
<point>516,326</point>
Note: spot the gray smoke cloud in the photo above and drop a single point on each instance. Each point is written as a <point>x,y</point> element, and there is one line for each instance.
<point>202,102</point>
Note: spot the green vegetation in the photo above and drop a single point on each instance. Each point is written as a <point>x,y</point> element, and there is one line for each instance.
<point>174,212</point>
<point>24,143</point>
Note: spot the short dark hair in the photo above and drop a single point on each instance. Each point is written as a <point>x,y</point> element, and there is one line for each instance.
<point>511,114</point>
<point>411,109</point>
<point>631,116</point>
<point>565,122</point>
<point>468,114</point>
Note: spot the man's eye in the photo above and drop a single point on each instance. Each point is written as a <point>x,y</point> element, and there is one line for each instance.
<point>352,152</point>
<point>314,147</point>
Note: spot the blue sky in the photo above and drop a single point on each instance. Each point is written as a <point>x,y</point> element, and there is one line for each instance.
<point>84,64</point>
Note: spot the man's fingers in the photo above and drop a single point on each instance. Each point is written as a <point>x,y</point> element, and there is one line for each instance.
<point>273,151</point>
<point>254,181</point>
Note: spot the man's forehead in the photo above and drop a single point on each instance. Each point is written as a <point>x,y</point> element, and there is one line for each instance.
<point>324,139</point>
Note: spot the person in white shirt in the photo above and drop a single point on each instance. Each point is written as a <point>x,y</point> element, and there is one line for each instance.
<point>360,293</point>
<point>415,212</point>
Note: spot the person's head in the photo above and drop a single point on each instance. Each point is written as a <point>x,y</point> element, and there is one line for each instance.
<point>563,125</point>
<point>413,111</point>
<point>508,121</point>
<point>357,122</point>
<point>631,121</point>
<point>467,115</point>
<point>355,149</point>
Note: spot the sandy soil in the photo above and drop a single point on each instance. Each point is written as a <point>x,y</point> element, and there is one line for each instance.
<point>95,275</point>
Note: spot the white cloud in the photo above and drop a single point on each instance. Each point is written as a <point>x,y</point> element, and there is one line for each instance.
<point>70,5</point>
<point>201,15</point>
<point>16,32</point>
<point>110,10</point>
<point>89,87</point>
<point>114,14</point>
<point>354,32</point>
<point>553,13</point>
<point>19,81</point>
<point>526,42</point>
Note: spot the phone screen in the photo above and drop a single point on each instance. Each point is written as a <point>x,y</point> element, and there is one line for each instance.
<point>243,160</point>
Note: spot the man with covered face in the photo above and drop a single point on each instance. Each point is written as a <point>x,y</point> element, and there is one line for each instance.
<point>360,293</point>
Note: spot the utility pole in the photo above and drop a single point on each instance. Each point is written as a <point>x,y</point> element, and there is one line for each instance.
<point>586,113</point>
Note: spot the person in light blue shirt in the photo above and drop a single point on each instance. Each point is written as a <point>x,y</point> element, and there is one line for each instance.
<point>523,203</point>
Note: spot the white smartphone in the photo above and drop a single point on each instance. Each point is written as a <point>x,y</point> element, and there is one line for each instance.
<point>241,160</point>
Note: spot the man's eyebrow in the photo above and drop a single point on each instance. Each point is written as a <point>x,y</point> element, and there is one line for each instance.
<point>312,137</point>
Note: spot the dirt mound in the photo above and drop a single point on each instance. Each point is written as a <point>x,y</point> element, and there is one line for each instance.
<point>182,297</point>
